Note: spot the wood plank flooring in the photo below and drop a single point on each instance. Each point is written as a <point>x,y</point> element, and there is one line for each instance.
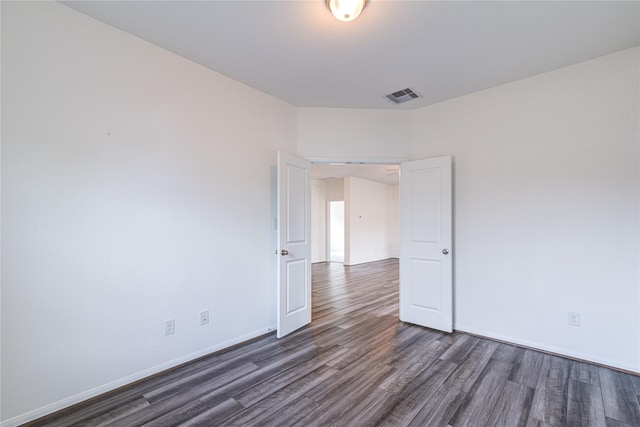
<point>357,365</point>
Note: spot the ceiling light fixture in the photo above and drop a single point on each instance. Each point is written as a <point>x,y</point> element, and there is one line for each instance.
<point>346,10</point>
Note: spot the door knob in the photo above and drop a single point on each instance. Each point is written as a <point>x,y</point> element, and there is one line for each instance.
<point>445,251</point>
<point>284,252</point>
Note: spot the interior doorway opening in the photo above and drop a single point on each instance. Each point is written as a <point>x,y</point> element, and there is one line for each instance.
<point>336,231</point>
<point>364,226</point>
<point>371,214</point>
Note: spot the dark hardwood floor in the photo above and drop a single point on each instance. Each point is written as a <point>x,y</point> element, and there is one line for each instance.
<point>357,365</point>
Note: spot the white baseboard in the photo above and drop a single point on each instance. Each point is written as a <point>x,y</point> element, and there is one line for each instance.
<point>551,349</point>
<point>80,397</point>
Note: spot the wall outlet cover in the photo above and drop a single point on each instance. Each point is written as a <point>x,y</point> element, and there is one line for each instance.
<point>204,317</point>
<point>169,327</point>
<point>574,319</point>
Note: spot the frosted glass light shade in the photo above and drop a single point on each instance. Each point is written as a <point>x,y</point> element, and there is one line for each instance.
<point>346,10</point>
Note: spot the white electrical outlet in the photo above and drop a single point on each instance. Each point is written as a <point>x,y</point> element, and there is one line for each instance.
<point>574,319</point>
<point>169,327</point>
<point>204,317</point>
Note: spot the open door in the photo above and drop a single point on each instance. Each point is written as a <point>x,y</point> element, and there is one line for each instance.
<point>426,282</point>
<point>294,246</point>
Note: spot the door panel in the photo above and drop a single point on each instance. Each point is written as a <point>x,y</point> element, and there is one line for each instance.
<point>294,246</point>
<point>426,288</point>
<point>296,294</point>
<point>425,203</point>
<point>296,181</point>
<point>425,285</point>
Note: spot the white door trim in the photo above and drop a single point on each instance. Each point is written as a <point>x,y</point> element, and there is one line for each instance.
<point>355,161</point>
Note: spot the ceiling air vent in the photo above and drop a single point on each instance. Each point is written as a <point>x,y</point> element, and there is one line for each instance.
<point>403,95</point>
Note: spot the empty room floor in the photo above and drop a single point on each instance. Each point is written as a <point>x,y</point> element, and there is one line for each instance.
<point>358,365</point>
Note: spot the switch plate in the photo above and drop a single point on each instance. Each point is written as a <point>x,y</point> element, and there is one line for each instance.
<point>169,327</point>
<point>204,317</point>
<point>574,319</point>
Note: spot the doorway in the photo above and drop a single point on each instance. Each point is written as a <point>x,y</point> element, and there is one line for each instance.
<point>425,217</point>
<point>336,231</point>
<point>364,226</point>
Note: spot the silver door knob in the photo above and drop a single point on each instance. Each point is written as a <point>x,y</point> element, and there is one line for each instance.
<point>445,251</point>
<point>284,252</point>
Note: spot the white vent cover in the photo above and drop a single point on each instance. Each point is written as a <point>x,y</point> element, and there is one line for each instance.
<point>403,95</point>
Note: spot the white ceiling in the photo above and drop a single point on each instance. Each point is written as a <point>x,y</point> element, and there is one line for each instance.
<point>385,174</point>
<point>297,51</point>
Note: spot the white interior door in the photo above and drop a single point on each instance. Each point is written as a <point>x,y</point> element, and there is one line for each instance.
<point>294,245</point>
<point>426,288</point>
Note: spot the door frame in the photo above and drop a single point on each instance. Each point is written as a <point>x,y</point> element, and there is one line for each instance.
<point>328,234</point>
<point>337,161</point>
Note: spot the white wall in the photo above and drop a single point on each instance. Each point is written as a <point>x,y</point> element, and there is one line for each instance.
<point>545,198</point>
<point>113,213</point>
<point>324,191</point>
<point>318,220</point>
<point>354,134</point>
<point>547,208</point>
<point>393,215</point>
<point>335,189</point>
<point>367,221</point>
<point>376,237</point>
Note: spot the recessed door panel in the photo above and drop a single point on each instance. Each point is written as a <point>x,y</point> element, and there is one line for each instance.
<point>425,285</point>
<point>296,289</point>
<point>425,205</point>
<point>296,204</point>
